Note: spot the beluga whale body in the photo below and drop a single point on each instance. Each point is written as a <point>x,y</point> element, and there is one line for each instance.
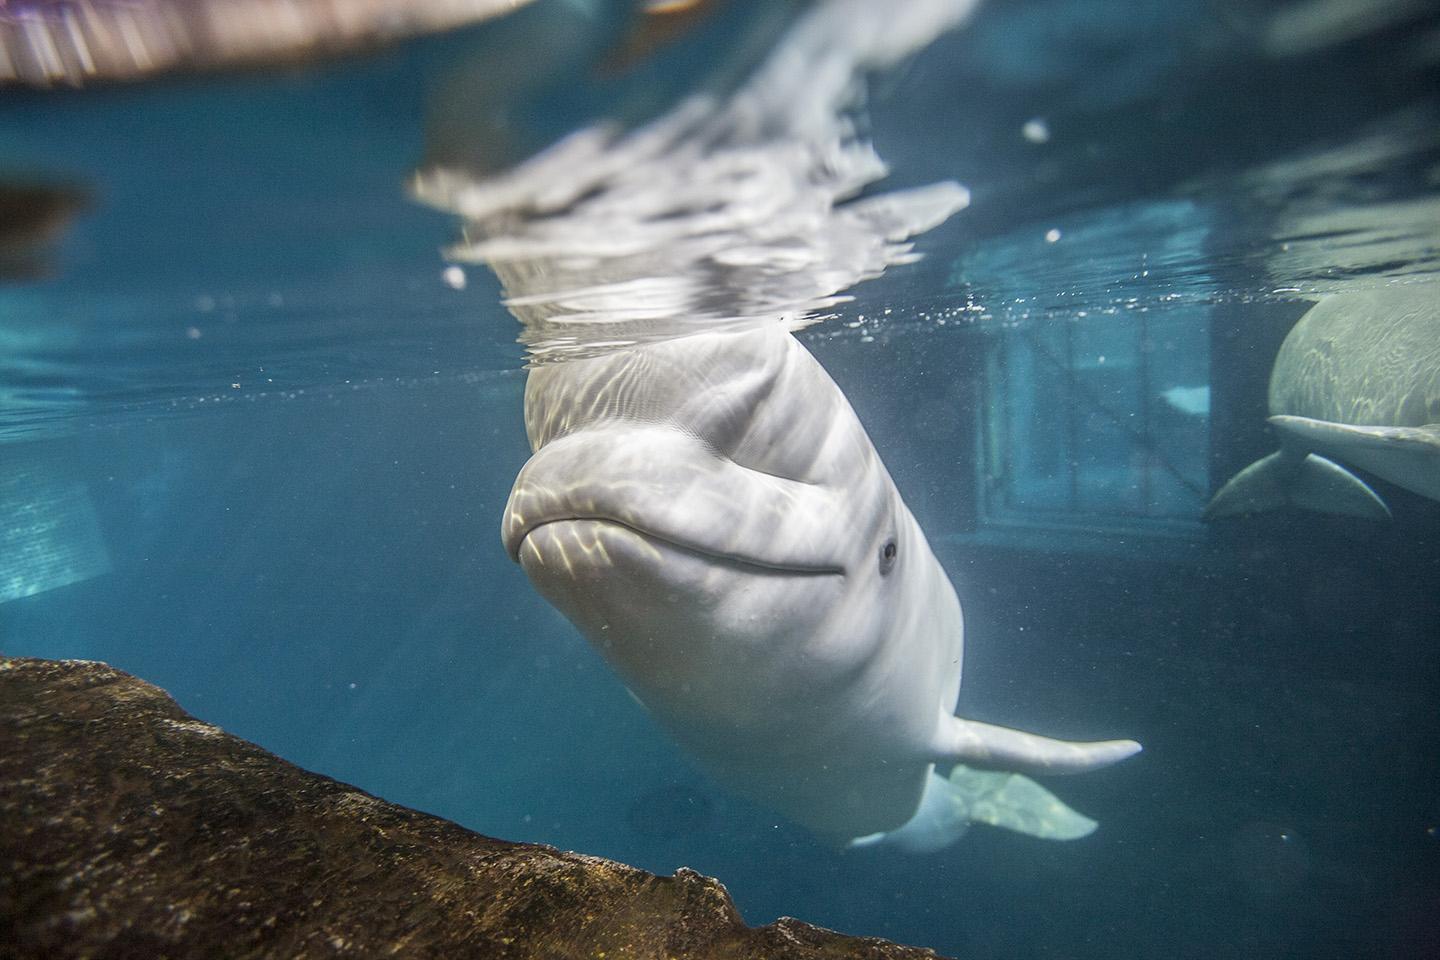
<point>702,502</point>
<point>1357,380</point>
<point>712,516</point>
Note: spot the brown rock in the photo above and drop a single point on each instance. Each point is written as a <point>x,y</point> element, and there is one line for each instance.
<point>131,829</point>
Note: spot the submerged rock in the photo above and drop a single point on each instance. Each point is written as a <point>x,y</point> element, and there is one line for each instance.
<point>133,829</point>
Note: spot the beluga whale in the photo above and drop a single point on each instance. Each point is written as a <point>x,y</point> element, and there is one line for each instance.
<point>713,517</point>
<point>702,502</point>
<point>1357,380</point>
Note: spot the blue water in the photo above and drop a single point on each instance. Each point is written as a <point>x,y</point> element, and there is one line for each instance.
<point>294,437</point>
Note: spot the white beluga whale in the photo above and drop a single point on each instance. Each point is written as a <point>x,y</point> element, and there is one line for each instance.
<point>1357,380</point>
<point>702,502</point>
<point>712,516</point>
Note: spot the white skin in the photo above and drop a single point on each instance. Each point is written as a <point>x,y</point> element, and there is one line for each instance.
<point>712,516</point>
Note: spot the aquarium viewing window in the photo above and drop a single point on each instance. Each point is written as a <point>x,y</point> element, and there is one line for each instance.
<point>1100,424</point>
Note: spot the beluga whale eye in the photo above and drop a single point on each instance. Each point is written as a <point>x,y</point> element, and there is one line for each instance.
<point>888,553</point>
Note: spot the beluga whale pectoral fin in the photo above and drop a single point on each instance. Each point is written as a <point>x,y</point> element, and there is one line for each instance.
<point>1291,478</point>
<point>1009,801</point>
<point>1001,748</point>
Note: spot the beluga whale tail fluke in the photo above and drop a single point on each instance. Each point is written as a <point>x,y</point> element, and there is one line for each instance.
<point>1294,479</point>
<point>1009,801</point>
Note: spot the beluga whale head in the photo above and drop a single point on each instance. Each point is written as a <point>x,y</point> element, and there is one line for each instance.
<point>726,534</point>
<point>702,502</point>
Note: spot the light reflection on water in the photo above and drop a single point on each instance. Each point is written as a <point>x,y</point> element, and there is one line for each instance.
<point>729,211</point>
<point>335,280</point>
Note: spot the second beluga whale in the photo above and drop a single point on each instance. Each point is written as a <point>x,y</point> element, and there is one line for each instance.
<point>1357,380</point>
<point>712,516</point>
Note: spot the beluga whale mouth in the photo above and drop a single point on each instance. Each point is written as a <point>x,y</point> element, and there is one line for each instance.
<point>558,530</point>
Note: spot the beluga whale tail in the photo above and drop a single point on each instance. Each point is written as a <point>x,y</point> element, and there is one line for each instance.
<point>712,516</point>
<point>1009,801</point>
<point>702,501</point>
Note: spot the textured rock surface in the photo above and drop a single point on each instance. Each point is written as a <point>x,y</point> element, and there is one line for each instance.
<point>131,829</point>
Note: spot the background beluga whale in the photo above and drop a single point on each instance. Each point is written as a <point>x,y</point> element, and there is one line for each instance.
<point>702,501</point>
<point>1357,380</point>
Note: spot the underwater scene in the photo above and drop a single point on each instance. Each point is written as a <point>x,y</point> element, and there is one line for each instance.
<point>613,424</point>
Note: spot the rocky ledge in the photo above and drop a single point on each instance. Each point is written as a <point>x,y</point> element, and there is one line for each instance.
<point>131,829</point>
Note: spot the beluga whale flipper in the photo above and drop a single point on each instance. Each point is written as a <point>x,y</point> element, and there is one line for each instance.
<point>1357,380</point>
<point>702,501</point>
